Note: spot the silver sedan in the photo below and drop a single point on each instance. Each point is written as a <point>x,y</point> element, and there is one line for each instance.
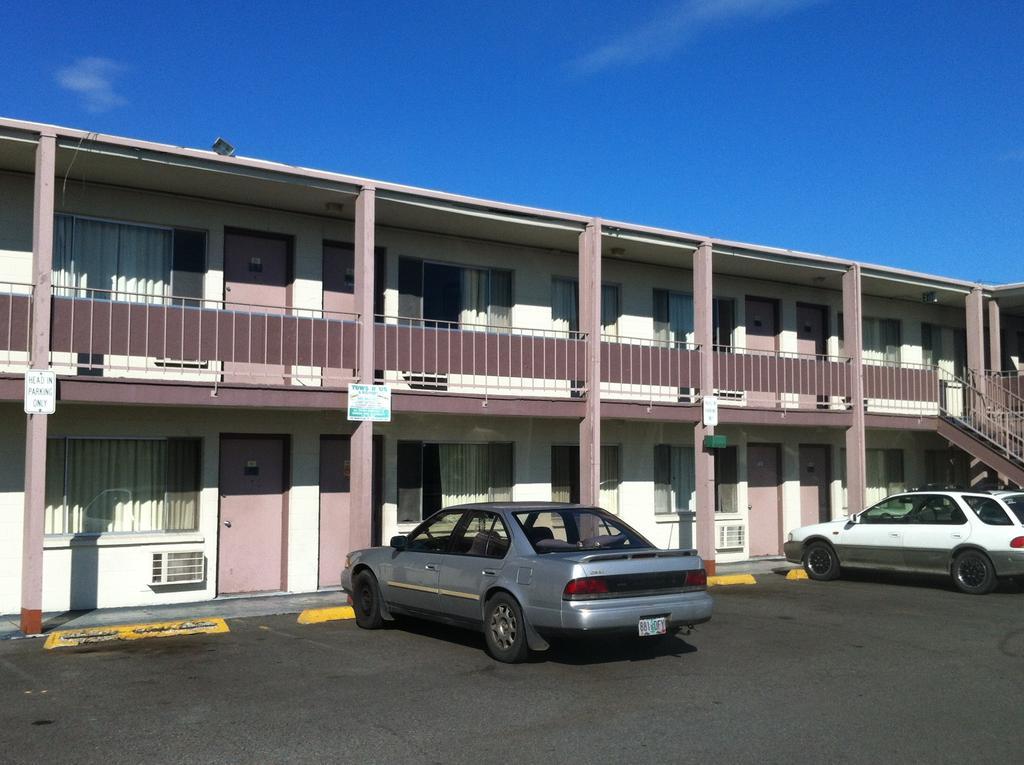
<point>524,573</point>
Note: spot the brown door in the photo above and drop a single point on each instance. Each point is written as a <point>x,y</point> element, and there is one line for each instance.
<point>762,322</point>
<point>339,278</point>
<point>257,274</point>
<point>335,471</point>
<point>812,340</point>
<point>815,476</point>
<point>252,513</point>
<point>764,488</point>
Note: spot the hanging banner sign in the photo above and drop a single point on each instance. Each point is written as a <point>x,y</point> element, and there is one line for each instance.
<point>40,391</point>
<point>369,403</point>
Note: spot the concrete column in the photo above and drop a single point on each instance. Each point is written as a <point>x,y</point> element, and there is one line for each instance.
<point>590,324</point>
<point>361,457</point>
<point>853,346</point>
<point>995,337</point>
<point>975,305</point>
<point>703,330</point>
<point>36,424</point>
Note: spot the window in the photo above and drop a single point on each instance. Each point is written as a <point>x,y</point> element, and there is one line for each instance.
<point>673,317</point>
<point>948,468</point>
<point>483,535</point>
<point>565,475</point>
<point>989,511</point>
<point>1016,504</point>
<point>891,510</point>
<point>446,294</point>
<point>884,473</point>
<point>435,534</point>
<point>945,347</point>
<point>674,479</point>
<point>565,310</point>
<point>724,323</point>
<point>881,340</point>
<point>937,509</point>
<point>100,485</point>
<point>122,261</point>
<point>432,476</point>
<point>726,479</point>
<point>564,530</point>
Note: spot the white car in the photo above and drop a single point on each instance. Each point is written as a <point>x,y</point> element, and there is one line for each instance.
<point>976,538</point>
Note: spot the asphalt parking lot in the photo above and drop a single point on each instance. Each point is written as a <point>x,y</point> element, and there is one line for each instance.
<point>868,670</point>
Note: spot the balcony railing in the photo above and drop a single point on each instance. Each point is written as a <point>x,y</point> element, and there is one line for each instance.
<point>420,354</point>
<point>892,387</point>
<point>122,334</point>
<point>639,369</point>
<point>15,322</point>
<point>781,380</point>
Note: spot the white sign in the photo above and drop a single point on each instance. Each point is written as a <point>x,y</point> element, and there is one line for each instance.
<point>710,411</point>
<point>369,403</point>
<point>40,391</point>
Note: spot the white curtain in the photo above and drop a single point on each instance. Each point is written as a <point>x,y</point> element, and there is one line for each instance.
<point>684,479</point>
<point>881,340</point>
<point>610,310</point>
<point>144,263</point>
<point>680,317</point>
<point>499,309</point>
<point>609,498</point>
<point>564,307</point>
<point>465,473</point>
<point>884,473</point>
<point>473,313</point>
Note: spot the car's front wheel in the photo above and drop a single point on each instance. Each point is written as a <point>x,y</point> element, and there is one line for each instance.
<point>504,629</point>
<point>366,601</point>
<point>821,562</point>
<point>973,573</point>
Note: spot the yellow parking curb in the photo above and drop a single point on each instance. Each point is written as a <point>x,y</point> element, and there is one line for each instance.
<point>796,573</point>
<point>714,581</point>
<point>91,635</point>
<point>317,615</point>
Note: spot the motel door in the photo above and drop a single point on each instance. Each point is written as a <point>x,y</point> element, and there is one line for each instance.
<point>765,511</point>
<point>762,336</point>
<point>252,514</point>
<point>814,484</point>
<point>811,340</point>
<point>335,473</point>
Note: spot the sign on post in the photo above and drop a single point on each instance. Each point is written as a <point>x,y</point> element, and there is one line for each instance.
<point>710,411</point>
<point>369,403</point>
<point>40,391</point>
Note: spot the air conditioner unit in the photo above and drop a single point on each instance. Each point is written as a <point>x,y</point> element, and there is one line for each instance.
<point>179,567</point>
<point>731,537</point>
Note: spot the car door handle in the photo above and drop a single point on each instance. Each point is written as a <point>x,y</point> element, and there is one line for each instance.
<point>430,567</point>
<point>893,534</point>
<point>489,572</point>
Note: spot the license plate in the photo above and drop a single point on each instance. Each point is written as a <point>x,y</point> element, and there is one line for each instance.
<point>657,625</point>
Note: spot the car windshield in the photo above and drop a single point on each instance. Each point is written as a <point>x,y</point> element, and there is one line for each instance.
<point>1016,503</point>
<point>574,529</point>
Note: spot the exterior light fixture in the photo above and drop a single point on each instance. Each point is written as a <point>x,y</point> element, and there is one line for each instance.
<point>929,297</point>
<point>223,148</point>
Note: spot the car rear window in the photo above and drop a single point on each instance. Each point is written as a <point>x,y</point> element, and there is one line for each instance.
<point>988,510</point>
<point>574,529</point>
<point>1016,504</point>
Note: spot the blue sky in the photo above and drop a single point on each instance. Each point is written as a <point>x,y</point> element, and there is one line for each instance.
<point>889,132</point>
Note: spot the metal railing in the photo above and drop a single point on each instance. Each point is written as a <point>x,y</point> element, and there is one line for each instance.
<point>125,334</point>
<point>429,355</point>
<point>641,369</point>
<point>900,387</point>
<point>15,326</point>
<point>997,422</point>
<point>781,380</point>
<point>1003,388</point>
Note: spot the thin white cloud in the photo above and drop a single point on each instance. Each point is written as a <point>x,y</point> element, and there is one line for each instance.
<point>1014,155</point>
<point>678,25</point>
<point>92,78</point>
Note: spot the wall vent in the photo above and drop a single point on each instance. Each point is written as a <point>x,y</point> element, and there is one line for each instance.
<point>180,567</point>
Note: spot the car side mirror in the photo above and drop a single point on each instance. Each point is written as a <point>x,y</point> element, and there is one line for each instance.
<point>399,542</point>
<point>855,518</point>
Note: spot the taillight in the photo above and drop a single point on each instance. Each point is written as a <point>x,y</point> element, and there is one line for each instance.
<point>587,587</point>
<point>698,578</point>
<point>1017,543</point>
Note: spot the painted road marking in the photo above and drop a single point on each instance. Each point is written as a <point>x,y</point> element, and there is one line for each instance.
<point>317,615</point>
<point>91,635</point>
<point>796,573</point>
<point>717,581</point>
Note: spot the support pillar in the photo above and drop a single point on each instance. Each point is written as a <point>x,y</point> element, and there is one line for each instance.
<point>36,425</point>
<point>975,305</point>
<point>995,337</point>
<point>590,325</point>
<point>853,347</point>
<point>704,473</point>
<point>361,456</point>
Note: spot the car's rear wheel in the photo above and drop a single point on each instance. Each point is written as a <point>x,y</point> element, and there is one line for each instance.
<point>504,629</point>
<point>821,562</point>
<point>366,601</point>
<point>973,573</point>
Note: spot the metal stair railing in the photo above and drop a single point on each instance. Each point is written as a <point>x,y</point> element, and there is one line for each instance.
<point>998,425</point>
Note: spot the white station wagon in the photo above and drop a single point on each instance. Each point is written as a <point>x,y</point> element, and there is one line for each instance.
<point>976,538</point>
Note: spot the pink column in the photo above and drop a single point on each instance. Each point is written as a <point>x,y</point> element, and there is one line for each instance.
<point>361,458</point>
<point>703,329</point>
<point>590,324</point>
<point>36,424</point>
<point>975,305</point>
<point>853,346</point>
<point>995,337</point>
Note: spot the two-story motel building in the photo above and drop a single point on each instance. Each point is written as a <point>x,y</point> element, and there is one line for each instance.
<point>205,315</point>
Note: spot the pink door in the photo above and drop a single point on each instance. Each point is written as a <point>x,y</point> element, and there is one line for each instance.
<point>339,282</point>
<point>815,506</point>
<point>252,514</point>
<point>812,340</point>
<point>257,272</point>
<point>764,488</point>
<point>335,471</point>
<point>763,337</point>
